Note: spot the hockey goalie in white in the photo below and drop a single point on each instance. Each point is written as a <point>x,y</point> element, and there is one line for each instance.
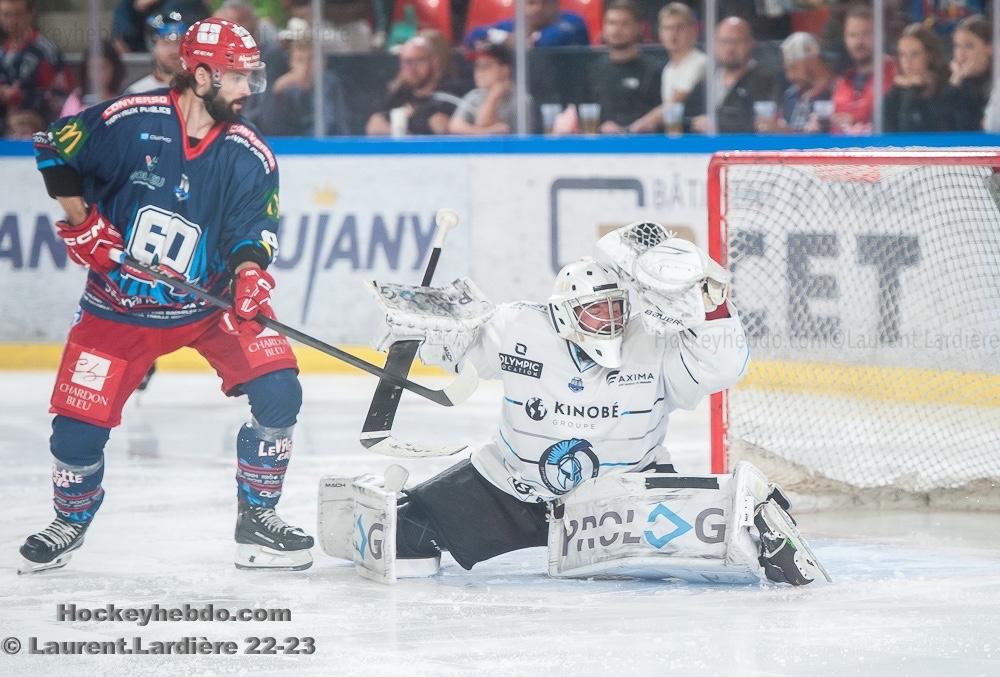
<point>578,461</point>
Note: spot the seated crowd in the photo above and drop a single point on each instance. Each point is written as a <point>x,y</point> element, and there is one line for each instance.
<point>645,74</point>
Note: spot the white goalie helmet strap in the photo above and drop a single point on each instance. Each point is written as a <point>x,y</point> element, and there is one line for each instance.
<point>590,308</point>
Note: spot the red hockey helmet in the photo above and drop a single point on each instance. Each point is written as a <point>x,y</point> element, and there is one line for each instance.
<point>223,46</point>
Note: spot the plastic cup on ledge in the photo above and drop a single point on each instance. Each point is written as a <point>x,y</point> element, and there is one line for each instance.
<point>823,110</point>
<point>549,113</point>
<point>673,118</point>
<point>398,122</point>
<point>590,117</point>
<point>765,114</point>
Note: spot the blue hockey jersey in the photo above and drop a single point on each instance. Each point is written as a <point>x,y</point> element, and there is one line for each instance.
<point>187,207</point>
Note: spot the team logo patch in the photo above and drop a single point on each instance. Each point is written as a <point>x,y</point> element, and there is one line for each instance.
<point>91,371</point>
<point>271,205</point>
<point>148,177</point>
<point>575,384</point>
<point>70,139</point>
<point>566,464</point>
<point>535,409</point>
<point>87,384</point>
<point>520,365</point>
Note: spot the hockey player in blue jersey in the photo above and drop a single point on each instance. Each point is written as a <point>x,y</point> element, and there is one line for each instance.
<point>174,176</point>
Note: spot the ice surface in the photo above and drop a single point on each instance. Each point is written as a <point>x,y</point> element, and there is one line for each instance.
<point>914,593</point>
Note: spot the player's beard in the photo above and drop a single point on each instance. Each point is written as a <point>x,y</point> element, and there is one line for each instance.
<point>219,108</point>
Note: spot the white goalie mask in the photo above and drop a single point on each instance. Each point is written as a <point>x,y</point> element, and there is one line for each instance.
<point>589,307</point>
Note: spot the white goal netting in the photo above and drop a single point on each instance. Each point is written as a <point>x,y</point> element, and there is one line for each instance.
<point>870,291</point>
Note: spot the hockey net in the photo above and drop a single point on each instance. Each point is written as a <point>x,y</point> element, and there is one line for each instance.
<point>869,286</point>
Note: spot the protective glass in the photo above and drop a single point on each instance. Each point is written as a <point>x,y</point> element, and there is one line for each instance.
<point>603,315</point>
<point>255,80</point>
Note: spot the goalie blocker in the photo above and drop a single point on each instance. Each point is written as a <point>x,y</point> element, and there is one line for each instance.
<point>716,529</point>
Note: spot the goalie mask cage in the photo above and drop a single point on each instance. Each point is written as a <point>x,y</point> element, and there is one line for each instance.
<point>869,286</point>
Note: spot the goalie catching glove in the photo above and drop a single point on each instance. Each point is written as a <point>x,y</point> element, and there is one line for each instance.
<point>446,320</point>
<point>675,281</point>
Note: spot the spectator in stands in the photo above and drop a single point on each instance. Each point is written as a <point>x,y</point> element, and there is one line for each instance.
<point>286,108</point>
<point>916,102</point>
<point>163,38</point>
<point>971,73</point>
<point>832,39</point>
<point>853,94</point>
<point>489,108</point>
<point>112,74</point>
<point>740,82</point>
<point>456,74</point>
<point>415,99</point>
<point>547,27</point>
<point>33,75</point>
<point>624,83</point>
<point>128,24</point>
<point>811,80</point>
<point>22,124</point>
<point>686,68</point>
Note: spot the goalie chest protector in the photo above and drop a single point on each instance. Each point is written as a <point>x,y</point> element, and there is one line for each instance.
<point>565,418</point>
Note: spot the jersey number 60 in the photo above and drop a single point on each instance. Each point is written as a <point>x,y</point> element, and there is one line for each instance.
<point>171,239</point>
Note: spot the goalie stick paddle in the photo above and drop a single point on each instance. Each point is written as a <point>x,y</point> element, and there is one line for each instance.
<point>376,433</point>
<point>457,391</point>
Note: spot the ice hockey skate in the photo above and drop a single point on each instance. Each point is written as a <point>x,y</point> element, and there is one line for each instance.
<point>52,547</point>
<point>265,541</point>
<point>784,554</point>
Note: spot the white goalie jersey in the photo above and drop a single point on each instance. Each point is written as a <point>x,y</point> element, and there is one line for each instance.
<point>566,419</point>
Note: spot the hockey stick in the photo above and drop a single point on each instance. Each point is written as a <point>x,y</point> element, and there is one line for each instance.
<point>376,433</point>
<point>455,392</point>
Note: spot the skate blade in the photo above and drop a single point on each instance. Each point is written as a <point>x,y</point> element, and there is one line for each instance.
<point>256,557</point>
<point>26,566</point>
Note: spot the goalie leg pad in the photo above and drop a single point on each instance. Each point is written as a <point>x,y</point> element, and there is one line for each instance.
<point>358,522</point>
<point>653,526</point>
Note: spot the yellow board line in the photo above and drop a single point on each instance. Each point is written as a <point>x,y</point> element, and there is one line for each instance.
<point>45,357</point>
<point>889,384</point>
<point>892,384</point>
